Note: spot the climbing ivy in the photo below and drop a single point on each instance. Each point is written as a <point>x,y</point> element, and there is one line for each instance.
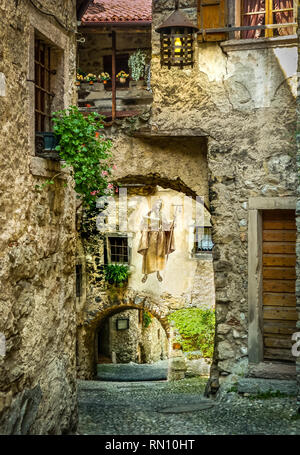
<point>147,319</point>
<point>85,151</point>
<point>196,327</point>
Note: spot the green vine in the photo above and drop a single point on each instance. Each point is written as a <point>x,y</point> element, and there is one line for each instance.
<point>196,328</point>
<point>85,151</point>
<point>116,274</point>
<point>147,319</point>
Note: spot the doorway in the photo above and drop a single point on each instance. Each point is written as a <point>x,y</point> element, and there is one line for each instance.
<point>279,276</point>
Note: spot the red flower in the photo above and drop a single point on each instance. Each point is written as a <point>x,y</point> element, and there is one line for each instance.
<point>97,134</point>
<point>88,105</point>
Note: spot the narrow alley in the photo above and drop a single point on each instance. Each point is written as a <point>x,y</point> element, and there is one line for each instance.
<point>179,408</point>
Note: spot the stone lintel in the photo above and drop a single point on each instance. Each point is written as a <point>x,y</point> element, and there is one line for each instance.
<point>270,203</point>
<point>178,133</point>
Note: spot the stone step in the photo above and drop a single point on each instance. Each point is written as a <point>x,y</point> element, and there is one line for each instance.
<point>255,386</point>
<point>121,372</point>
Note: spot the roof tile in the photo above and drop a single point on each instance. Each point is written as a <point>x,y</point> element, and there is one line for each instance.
<point>103,11</point>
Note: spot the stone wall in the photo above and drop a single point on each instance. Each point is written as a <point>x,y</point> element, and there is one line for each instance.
<point>37,311</point>
<point>241,95</point>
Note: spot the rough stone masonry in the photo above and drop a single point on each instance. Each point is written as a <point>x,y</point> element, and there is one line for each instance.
<point>37,241</point>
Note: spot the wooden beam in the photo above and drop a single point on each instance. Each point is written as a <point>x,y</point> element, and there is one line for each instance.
<point>113,76</point>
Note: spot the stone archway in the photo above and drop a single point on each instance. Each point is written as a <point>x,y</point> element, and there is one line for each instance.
<point>102,302</point>
<point>87,331</point>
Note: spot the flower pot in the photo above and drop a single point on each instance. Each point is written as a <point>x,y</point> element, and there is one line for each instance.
<point>122,80</point>
<point>77,83</point>
<point>91,82</point>
<point>50,140</point>
<point>105,82</point>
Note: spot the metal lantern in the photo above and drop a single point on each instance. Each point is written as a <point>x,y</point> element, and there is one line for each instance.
<point>177,40</point>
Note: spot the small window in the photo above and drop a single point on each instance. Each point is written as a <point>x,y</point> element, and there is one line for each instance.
<point>43,93</point>
<point>122,324</point>
<point>78,280</point>
<point>268,12</point>
<point>117,250</point>
<point>203,239</point>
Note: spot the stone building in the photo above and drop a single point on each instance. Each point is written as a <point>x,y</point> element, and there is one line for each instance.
<point>37,310</point>
<point>115,237</point>
<point>224,129</point>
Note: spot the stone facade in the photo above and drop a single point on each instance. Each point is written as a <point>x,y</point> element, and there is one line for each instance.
<point>241,94</point>
<point>37,309</point>
<point>187,278</point>
<point>225,130</point>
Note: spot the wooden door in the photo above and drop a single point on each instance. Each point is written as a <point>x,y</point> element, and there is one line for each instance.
<point>279,275</point>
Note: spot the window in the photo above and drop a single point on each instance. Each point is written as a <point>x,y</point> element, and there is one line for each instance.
<point>43,94</point>
<point>78,280</point>
<point>203,239</point>
<point>220,19</point>
<point>122,324</point>
<point>268,12</point>
<point>117,250</point>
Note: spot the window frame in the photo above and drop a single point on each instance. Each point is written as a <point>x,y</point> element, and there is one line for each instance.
<point>42,84</point>
<point>59,42</point>
<point>108,248</point>
<point>233,26</point>
<point>269,15</point>
<point>196,243</point>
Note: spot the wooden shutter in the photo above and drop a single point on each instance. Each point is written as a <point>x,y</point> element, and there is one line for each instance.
<point>211,14</point>
<point>279,275</point>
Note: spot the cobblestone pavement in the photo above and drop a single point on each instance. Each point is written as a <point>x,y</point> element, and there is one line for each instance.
<point>168,408</point>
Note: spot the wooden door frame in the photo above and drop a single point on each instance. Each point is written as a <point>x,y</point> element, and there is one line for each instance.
<point>255,306</point>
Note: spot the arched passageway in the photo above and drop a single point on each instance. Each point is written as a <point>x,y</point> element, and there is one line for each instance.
<point>92,333</point>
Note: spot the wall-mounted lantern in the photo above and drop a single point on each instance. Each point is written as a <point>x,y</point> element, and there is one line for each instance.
<point>122,324</point>
<point>177,40</point>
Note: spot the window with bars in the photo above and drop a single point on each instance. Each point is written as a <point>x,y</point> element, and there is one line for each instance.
<point>43,93</point>
<point>203,239</point>
<point>118,250</point>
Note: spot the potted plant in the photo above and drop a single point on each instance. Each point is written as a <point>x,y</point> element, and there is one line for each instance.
<point>122,76</point>
<point>136,63</point>
<point>90,78</point>
<point>79,79</point>
<point>104,77</point>
<point>116,274</point>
